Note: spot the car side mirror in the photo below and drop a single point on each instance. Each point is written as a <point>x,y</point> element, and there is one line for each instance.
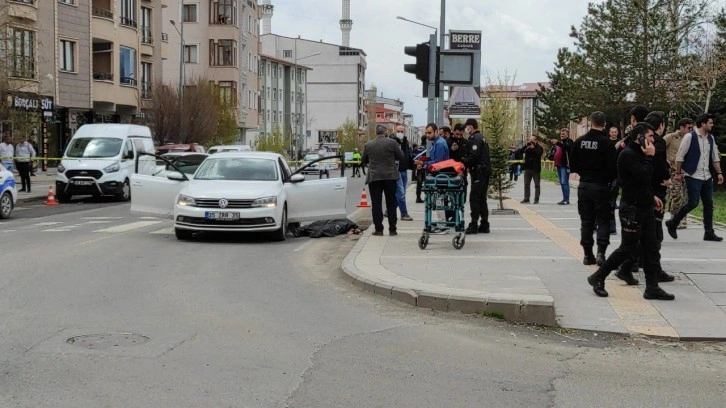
<point>297,178</point>
<point>176,176</point>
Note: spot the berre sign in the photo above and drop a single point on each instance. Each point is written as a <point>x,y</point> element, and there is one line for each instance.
<point>465,40</point>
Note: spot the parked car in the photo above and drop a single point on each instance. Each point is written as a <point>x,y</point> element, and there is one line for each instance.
<point>229,148</point>
<point>8,193</point>
<point>185,162</point>
<point>100,158</point>
<point>310,168</point>
<point>241,192</point>
<point>170,147</point>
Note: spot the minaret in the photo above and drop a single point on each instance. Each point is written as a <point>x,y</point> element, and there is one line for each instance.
<point>267,11</point>
<point>346,24</point>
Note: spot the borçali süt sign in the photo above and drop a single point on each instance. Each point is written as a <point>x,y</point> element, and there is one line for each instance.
<point>29,103</point>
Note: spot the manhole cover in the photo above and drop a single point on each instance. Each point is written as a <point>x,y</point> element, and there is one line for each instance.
<point>104,341</point>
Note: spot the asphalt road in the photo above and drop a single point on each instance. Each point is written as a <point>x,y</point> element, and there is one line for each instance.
<point>237,321</point>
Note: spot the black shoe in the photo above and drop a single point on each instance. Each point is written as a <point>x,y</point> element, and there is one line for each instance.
<point>634,268</point>
<point>484,228</point>
<point>21,190</point>
<point>600,259</point>
<point>711,236</point>
<point>589,260</point>
<point>657,294</point>
<point>525,201</point>
<point>665,277</point>
<point>378,233</point>
<point>536,201</point>
<point>471,229</point>
<point>419,201</point>
<point>672,229</point>
<point>626,277</point>
<point>598,285</point>
<point>392,233</point>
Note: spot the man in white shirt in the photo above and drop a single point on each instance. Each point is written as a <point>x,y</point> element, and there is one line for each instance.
<point>25,153</point>
<point>698,151</point>
<point>7,152</point>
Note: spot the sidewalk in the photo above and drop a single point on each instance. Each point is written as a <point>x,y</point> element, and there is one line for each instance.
<point>39,186</point>
<point>529,269</point>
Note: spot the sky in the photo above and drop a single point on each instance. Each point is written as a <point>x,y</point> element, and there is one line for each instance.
<point>519,37</point>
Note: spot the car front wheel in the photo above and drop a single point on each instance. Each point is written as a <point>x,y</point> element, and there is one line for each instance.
<point>281,234</point>
<point>125,194</point>
<point>6,205</point>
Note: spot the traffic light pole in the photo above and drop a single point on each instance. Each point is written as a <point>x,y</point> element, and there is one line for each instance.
<point>432,79</point>
<point>442,40</point>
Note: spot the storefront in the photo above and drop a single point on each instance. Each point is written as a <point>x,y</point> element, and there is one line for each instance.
<point>31,116</point>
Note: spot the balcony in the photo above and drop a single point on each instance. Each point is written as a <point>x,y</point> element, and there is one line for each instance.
<point>22,67</point>
<point>147,41</point>
<point>128,22</point>
<point>102,60</point>
<point>23,9</point>
<point>103,13</point>
<point>146,90</point>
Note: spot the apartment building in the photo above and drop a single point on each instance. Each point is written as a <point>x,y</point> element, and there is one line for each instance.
<point>336,82</point>
<point>283,100</point>
<point>80,61</point>
<point>523,101</point>
<point>221,45</point>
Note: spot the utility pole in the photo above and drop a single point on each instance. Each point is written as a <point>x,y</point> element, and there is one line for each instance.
<point>432,79</point>
<point>442,44</point>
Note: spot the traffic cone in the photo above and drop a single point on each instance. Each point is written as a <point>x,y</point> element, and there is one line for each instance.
<point>363,200</point>
<point>51,197</point>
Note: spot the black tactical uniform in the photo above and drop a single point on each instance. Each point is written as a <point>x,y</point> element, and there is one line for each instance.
<point>478,164</point>
<point>593,158</point>
<point>462,150</point>
<point>635,170</point>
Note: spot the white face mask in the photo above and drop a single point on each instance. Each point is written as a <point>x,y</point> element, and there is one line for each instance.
<point>399,136</point>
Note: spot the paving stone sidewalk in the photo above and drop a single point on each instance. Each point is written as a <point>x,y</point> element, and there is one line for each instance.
<point>529,269</point>
<point>39,186</point>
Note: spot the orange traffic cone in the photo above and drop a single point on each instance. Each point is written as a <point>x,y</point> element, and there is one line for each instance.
<point>363,200</point>
<point>51,197</point>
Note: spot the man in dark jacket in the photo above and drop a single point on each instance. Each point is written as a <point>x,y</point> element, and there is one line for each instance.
<point>635,170</point>
<point>593,158</point>
<point>532,164</point>
<point>381,155</point>
<point>478,164</point>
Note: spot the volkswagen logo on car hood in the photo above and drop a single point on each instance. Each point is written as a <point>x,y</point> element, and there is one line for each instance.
<point>223,203</point>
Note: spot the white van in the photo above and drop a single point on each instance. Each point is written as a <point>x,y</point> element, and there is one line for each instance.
<point>101,158</point>
<point>229,148</point>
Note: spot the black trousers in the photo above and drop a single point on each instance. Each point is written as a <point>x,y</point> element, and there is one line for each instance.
<point>24,171</point>
<point>593,204</point>
<point>378,190</point>
<point>637,231</point>
<point>638,258</point>
<point>420,174</point>
<point>478,199</point>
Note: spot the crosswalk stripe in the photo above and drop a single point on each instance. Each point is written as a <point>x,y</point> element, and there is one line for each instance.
<point>164,231</point>
<point>65,228</point>
<point>129,227</point>
<point>47,224</point>
<point>101,218</point>
<point>97,222</point>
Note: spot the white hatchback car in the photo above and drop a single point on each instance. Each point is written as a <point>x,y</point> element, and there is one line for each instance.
<point>8,193</point>
<point>238,191</point>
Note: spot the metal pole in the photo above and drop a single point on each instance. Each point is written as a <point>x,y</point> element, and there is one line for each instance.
<point>442,42</point>
<point>181,74</point>
<point>294,104</point>
<point>432,79</point>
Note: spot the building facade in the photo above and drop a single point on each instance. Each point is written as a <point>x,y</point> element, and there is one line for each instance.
<point>523,101</point>
<point>221,45</point>
<point>283,100</point>
<point>72,62</point>
<point>336,83</point>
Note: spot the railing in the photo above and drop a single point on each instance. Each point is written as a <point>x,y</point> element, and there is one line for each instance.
<point>128,81</point>
<point>23,67</point>
<point>129,22</point>
<point>102,76</point>
<point>222,14</point>
<point>146,36</point>
<point>145,90</point>
<point>99,12</point>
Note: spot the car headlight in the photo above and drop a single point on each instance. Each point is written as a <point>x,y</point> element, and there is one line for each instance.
<point>60,168</point>
<point>112,168</point>
<point>267,202</point>
<point>185,201</point>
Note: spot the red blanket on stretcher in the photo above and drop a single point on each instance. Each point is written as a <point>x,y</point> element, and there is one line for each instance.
<point>446,165</point>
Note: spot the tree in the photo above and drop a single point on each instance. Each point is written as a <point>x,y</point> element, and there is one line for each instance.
<point>348,136</point>
<point>227,127</point>
<point>499,126</point>
<point>556,102</point>
<point>275,142</point>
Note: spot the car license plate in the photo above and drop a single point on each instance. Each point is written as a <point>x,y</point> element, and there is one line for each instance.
<point>83,182</point>
<point>222,216</point>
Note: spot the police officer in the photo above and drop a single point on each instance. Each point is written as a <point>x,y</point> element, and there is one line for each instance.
<point>458,149</point>
<point>478,163</point>
<point>593,158</point>
<point>635,170</point>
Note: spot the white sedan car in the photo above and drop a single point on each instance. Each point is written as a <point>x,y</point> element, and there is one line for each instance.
<point>238,191</point>
<point>8,193</point>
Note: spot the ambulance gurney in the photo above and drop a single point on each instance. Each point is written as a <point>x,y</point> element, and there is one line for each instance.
<point>444,188</point>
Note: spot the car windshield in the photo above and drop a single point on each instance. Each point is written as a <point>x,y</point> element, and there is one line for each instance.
<point>311,157</point>
<point>186,164</point>
<point>90,147</point>
<point>237,169</point>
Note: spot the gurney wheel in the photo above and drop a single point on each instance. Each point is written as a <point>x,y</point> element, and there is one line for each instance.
<point>459,241</point>
<point>423,241</point>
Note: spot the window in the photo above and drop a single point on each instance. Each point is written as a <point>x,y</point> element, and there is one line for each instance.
<point>67,56</point>
<point>228,92</point>
<point>191,54</point>
<point>128,66</point>
<point>223,53</point>
<point>128,13</point>
<point>146,80</point>
<point>274,94</point>
<point>146,33</point>
<point>189,13</point>
<point>24,1</point>
<point>287,53</point>
<point>67,1</point>
<point>223,12</point>
<point>274,117</point>
<point>22,58</point>
<point>280,94</point>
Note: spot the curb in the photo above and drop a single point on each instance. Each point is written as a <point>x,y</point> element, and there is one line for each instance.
<point>538,310</point>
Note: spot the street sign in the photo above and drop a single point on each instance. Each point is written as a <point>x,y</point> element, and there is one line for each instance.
<point>465,40</point>
<point>462,67</point>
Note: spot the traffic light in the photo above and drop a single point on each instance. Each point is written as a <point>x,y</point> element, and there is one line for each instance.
<point>422,66</point>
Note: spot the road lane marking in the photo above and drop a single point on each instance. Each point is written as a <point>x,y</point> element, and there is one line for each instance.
<point>129,227</point>
<point>64,228</point>
<point>164,231</point>
<point>101,218</point>
<point>96,222</point>
<point>47,224</point>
